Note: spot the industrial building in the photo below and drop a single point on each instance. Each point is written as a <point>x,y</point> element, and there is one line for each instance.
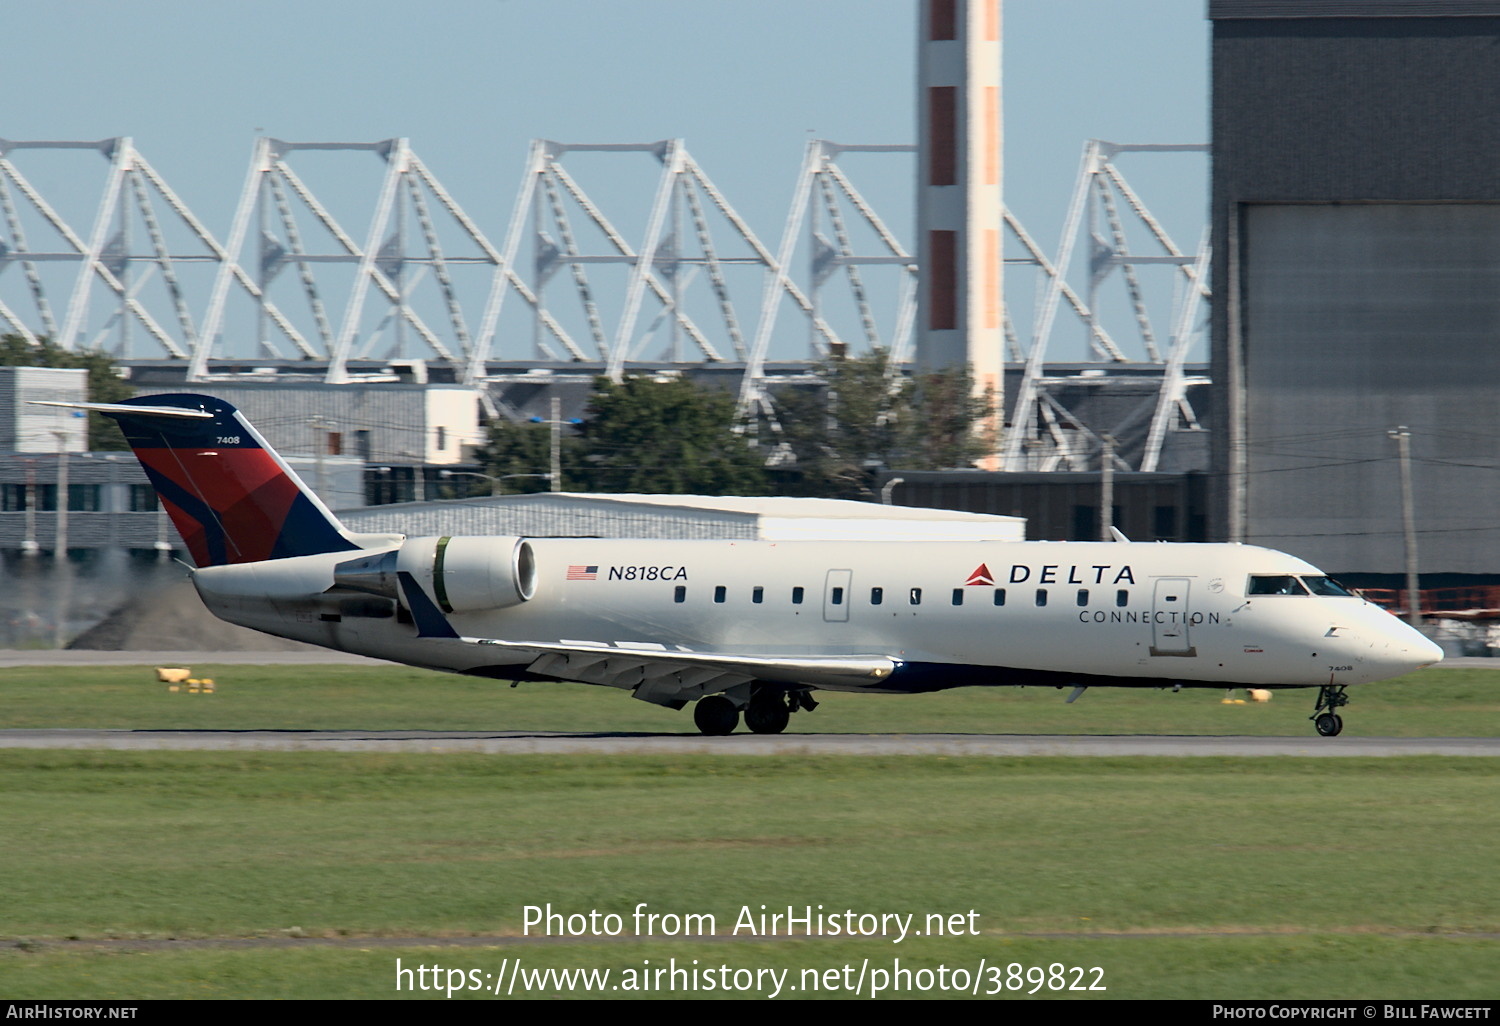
<point>1356,225</point>
<point>1065,506</point>
<point>551,515</point>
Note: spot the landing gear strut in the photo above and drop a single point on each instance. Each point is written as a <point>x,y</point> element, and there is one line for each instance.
<point>1330,697</point>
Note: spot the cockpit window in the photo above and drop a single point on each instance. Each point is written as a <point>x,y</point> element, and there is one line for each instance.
<point>1275,584</point>
<point>1325,586</point>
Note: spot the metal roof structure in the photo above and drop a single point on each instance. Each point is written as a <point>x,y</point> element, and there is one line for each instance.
<point>575,515</point>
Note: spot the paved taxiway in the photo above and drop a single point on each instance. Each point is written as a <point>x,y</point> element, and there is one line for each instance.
<point>548,743</point>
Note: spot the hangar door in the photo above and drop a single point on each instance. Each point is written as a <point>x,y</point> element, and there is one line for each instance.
<point>1357,318</point>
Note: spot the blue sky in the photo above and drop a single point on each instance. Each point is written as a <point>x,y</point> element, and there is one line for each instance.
<point>744,82</point>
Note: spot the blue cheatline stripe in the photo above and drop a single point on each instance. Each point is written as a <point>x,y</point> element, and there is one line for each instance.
<point>430,622</point>
<point>214,539</point>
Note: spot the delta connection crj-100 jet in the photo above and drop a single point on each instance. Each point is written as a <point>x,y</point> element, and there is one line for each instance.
<point>749,627</point>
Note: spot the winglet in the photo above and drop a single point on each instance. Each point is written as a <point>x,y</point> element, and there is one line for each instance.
<point>1117,534</point>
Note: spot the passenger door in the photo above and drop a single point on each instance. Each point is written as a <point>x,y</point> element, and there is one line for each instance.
<point>1171,613</point>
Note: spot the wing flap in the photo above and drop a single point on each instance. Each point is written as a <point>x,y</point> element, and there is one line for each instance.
<point>628,667</point>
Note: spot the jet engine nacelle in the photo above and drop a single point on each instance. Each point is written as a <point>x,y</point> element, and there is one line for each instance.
<point>462,575</point>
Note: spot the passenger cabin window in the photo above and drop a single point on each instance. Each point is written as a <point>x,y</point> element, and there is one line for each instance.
<point>1326,586</point>
<point>999,596</point>
<point>1083,596</point>
<point>758,595</point>
<point>1122,598</point>
<point>680,595</point>
<point>1041,596</point>
<point>720,593</point>
<point>916,596</point>
<point>958,596</point>
<point>797,594</point>
<point>877,596</point>
<point>1275,584</point>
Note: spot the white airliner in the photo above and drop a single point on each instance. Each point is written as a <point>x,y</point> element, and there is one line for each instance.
<point>750,627</point>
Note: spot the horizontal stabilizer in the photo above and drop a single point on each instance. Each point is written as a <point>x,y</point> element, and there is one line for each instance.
<point>134,411</point>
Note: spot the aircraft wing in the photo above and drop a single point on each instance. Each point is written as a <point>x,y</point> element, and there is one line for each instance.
<point>678,669</point>
<point>655,672</point>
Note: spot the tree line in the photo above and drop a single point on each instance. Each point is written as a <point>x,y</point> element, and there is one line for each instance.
<point>828,439</point>
<point>667,435</point>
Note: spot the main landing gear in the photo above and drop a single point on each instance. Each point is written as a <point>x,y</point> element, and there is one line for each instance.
<point>1330,697</point>
<point>716,715</point>
<point>768,711</point>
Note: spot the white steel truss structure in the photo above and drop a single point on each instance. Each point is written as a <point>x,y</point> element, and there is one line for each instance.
<point>1043,433</point>
<point>403,247</point>
<point>124,250</point>
<point>824,202</point>
<point>696,285</point>
<point>678,245</point>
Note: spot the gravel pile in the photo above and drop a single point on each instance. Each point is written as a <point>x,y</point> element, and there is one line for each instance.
<point>173,618</point>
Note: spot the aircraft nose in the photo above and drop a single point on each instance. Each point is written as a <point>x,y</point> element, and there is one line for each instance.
<point>1426,651</point>
<point>1407,650</point>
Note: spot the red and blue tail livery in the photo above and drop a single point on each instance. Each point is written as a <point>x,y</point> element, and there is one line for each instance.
<point>230,495</point>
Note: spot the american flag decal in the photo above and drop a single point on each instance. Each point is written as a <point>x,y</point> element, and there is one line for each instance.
<point>582,573</point>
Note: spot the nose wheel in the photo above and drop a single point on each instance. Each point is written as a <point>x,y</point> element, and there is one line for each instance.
<point>1327,722</point>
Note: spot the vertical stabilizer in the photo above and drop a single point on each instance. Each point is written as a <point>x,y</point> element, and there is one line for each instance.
<point>232,498</point>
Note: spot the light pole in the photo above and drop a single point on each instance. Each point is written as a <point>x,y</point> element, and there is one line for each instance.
<point>556,423</point>
<point>320,449</point>
<point>61,568</point>
<point>60,542</point>
<point>1107,488</point>
<point>29,546</point>
<point>1402,435</point>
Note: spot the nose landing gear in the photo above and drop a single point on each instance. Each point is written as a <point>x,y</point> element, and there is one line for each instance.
<point>1330,697</point>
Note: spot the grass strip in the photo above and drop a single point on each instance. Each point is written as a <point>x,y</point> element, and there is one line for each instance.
<point>1440,702</point>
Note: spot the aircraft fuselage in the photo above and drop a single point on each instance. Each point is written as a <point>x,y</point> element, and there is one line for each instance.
<point>947,614</point>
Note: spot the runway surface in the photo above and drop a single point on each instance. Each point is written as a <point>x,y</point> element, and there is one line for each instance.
<point>535,742</point>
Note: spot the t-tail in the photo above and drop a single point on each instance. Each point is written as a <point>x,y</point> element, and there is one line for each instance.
<point>232,498</point>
